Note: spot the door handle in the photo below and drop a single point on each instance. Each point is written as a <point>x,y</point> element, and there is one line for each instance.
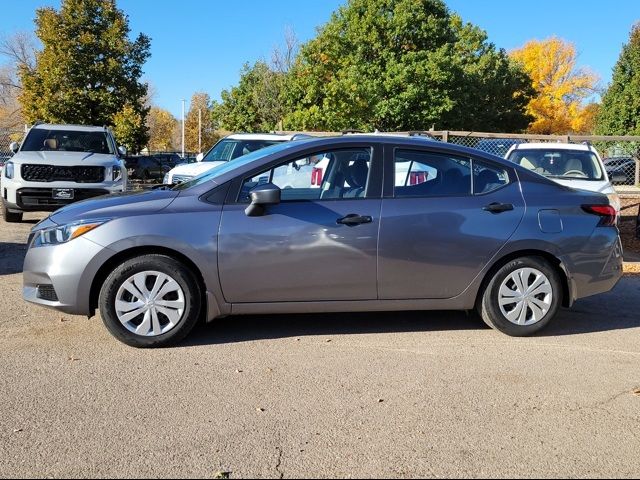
<point>353,220</point>
<point>498,207</point>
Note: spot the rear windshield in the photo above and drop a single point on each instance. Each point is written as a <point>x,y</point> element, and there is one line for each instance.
<point>557,163</point>
<point>43,140</point>
<point>226,150</point>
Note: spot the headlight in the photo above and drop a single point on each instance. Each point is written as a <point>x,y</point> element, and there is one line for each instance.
<point>116,173</point>
<point>64,233</point>
<point>165,180</point>
<point>8,170</point>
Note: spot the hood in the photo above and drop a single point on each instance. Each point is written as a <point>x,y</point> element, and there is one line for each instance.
<point>194,169</point>
<point>66,159</point>
<point>116,205</point>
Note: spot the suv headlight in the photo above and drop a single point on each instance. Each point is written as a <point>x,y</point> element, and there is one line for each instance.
<point>64,233</point>
<point>8,170</point>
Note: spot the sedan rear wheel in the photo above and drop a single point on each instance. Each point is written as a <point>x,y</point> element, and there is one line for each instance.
<point>522,297</point>
<point>150,301</point>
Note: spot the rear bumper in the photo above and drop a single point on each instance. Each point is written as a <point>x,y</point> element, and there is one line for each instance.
<point>598,267</point>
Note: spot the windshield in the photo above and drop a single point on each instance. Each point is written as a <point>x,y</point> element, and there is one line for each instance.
<point>560,163</point>
<point>215,172</point>
<point>228,149</point>
<point>43,140</point>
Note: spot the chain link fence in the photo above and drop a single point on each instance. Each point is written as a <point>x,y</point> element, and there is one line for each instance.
<point>6,138</point>
<point>621,155</point>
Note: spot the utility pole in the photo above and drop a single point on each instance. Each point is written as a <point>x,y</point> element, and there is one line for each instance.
<point>199,130</point>
<point>183,128</point>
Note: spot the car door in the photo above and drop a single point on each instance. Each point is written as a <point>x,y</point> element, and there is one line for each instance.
<point>317,244</point>
<point>443,218</point>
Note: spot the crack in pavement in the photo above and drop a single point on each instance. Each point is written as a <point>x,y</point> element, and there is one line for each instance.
<point>279,462</point>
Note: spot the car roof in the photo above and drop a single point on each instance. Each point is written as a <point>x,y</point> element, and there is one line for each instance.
<point>260,136</point>
<point>79,128</point>
<point>554,146</point>
<point>398,140</point>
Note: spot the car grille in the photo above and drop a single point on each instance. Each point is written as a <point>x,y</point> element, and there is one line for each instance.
<point>47,292</point>
<point>181,178</point>
<point>53,173</point>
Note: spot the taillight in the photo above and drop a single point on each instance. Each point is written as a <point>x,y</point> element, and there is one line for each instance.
<point>316,176</point>
<point>608,214</point>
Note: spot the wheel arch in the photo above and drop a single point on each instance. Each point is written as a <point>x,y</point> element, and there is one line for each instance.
<point>554,261</point>
<point>122,256</point>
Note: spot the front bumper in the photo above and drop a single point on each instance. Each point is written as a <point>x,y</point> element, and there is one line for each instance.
<point>21,196</point>
<point>60,276</point>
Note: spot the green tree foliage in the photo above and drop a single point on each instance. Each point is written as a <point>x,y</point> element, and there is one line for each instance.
<point>620,110</point>
<point>88,71</point>
<point>257,103</point>
<point>404,64</point>
<point>200,102</point>
<point>129,129</point>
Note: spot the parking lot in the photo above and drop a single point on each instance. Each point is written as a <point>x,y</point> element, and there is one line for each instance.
<point>358,395</point>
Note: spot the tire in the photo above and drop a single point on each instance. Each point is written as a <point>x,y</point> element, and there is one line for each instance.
<point>170,325</point>
<point>502,285</point>
<point>11,217</point>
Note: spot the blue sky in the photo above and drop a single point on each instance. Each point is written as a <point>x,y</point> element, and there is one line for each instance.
<point>201,45</point>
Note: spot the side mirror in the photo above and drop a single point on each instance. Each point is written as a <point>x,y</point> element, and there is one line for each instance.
<point>199,157</point>
<point>261,196</point>
<point>14,147</point>
<point>122,151</point>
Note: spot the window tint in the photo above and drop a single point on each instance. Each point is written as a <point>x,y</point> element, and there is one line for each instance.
<point>322,176</point>
<point>41,139</point>
<point>423,174</point>
<point>559,163</point>
<point>488,178</point>
<point>226,149</point>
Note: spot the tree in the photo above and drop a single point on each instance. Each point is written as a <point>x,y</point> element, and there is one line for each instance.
<point>200,113</point>
<point>19,50</point>
<point>620,110</point>
<point>88,71</point>
<point>129,128</point>
<point>403,65</point>
<point>259,103</point>
<point>162,126</point>
<point>560,87</point>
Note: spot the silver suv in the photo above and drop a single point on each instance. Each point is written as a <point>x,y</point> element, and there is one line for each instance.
<point>60,164</point>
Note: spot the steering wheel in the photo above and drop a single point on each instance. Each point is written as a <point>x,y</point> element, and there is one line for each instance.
<point>577,173</point>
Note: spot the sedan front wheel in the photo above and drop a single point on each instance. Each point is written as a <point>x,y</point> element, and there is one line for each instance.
<point>150,301</point>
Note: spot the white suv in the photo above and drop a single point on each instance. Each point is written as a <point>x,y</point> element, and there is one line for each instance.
<point>60,164</point>
<point>227,149</point>
<point>573,165</point>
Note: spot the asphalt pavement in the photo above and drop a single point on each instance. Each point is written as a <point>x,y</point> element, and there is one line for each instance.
<point>343,395</point>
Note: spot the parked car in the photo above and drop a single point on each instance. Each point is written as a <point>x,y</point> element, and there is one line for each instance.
<point>497,146</point>
<point>569,164</point>
<point>152,167</point>
<point>485,233</point>
<point>227,149</point>
<point>60,164</point>
<point>621,170</point>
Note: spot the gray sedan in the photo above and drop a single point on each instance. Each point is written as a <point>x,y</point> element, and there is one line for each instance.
<point>382,223</point>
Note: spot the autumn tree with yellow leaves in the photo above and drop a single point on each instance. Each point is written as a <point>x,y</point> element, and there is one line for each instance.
<point>561,88</point>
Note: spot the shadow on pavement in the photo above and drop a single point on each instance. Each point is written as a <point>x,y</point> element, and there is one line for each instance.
<point>269,327</point>
<point>12,257</point>
<point>616,310</point>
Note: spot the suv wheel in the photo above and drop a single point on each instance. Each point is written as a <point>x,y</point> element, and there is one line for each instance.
<point>150,301</point>
<point>522,297</point>
<point>11,217</point>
